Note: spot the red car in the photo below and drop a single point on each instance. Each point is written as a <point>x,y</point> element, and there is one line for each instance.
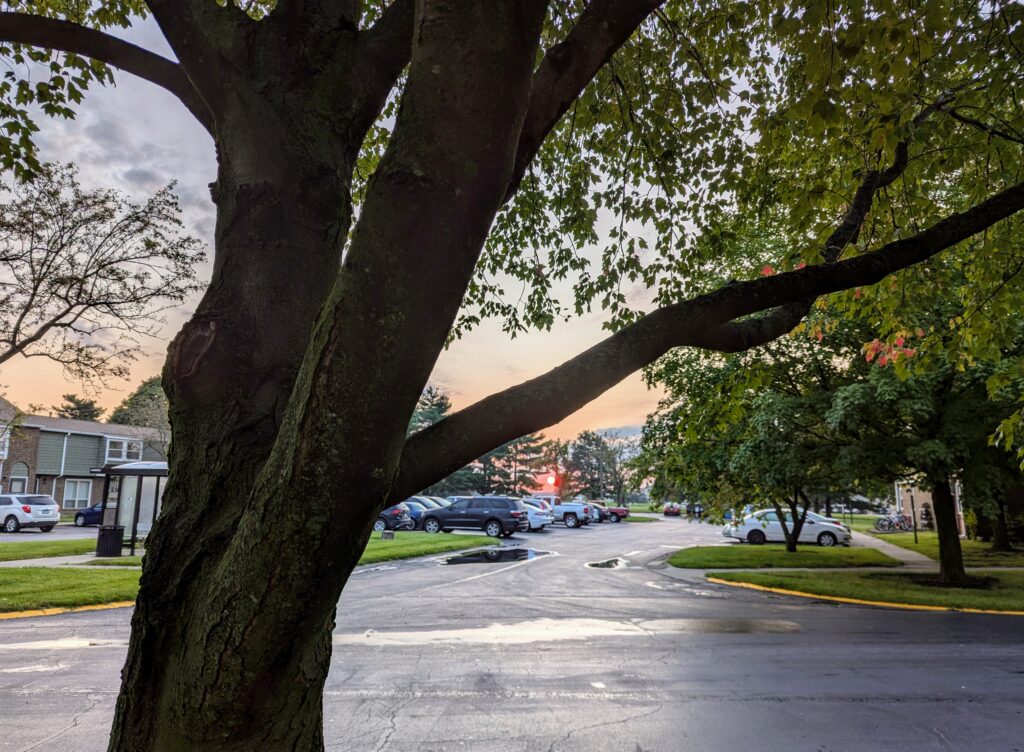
<point>607,512</point>
<point>672,509</point>
<point>616,514</point>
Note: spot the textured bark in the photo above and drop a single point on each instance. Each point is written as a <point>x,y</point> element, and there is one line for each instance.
<point>224,661</point>
<point>1001,530</point>
<point>951,558</point>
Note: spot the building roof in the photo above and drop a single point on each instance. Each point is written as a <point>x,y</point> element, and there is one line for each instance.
<point>65,425</point>
<point>137,468</point>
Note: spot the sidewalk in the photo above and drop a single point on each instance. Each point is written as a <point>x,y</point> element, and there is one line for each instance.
<point>78,561</point>
<point>910,559</point>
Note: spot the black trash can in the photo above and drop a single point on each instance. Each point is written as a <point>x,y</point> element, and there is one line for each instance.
<point>109,541</point>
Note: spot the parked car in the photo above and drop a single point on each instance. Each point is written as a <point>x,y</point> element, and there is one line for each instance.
<point>427,501</point>
<point>672,509</point>
<point>538,514</point>
<point>764,526</point>
<point>28,510</point>
<point>440,502</point>
<point>498,516</point>
<point>822,518</point>
<point>416,510</point>
<point>611,513</point>
<point>91,516</point>
<point>394,518</point>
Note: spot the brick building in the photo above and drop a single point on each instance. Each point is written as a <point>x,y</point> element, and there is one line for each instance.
<point>59,457</point>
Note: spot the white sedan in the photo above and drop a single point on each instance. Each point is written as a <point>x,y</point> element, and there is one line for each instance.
<point>537,515</point>
<point>764,526</point>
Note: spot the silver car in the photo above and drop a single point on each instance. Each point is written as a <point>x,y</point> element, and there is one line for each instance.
<point>28,510</point>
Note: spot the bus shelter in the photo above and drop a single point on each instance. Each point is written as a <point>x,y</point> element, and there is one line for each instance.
<point>132,493</point>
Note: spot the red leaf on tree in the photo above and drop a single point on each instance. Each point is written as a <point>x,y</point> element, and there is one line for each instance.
<point>767,271</point>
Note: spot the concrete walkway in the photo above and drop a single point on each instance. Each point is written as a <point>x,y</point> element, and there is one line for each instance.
<point>78,560</point>
<point>910,559</point>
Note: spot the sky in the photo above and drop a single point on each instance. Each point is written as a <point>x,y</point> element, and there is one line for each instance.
<point>136,137</point>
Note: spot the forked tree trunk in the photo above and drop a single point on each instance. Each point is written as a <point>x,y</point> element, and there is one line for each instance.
<point>229,375</point>
<point>292,387</point>
<point>951,559</point>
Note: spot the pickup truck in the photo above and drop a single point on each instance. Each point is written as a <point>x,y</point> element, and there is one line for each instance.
<point>570,513</point>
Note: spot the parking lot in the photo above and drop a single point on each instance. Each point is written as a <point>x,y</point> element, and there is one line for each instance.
<point>543,652</point>
<point>63,531</point>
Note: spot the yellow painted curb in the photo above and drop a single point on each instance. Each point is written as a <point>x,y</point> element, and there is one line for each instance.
<point>858,601</point>
<point>54,611</point>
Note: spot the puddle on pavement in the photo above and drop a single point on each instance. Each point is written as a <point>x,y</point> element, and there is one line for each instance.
<point>559,630</point>
<point>496,555</point>
<point>608,564</point>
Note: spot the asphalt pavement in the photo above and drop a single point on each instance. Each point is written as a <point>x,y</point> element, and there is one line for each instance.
<point>523,653</point>
<point>61,531</point>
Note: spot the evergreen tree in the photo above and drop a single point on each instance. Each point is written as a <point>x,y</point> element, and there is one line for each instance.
<point>78,408</point>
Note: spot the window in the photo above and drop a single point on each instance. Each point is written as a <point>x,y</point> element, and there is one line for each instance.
<point>77,494</point>
<point>460,504</point>
<point>123,450</point>
<point>482,504</point>
<point>5,442</point>
<point>19,478</point>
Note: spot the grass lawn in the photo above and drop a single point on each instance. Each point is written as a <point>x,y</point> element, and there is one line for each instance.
<point>751,557</point>
<point>52,587</point>
<point>24,588</point>
<point>406,545</point>
<point>638,518</point>
<point>862,523</point>
<point>1006,593</point>
<point>976,553</point>
<point>40,549</point>
<point>120,561</point>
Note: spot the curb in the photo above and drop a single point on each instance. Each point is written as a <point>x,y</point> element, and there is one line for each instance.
<point>858,601</point>
<point>54,611</point>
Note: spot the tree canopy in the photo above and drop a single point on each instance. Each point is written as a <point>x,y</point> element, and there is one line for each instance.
<point>85,272</point>
<point>390,174</point>
<point>78,408</point>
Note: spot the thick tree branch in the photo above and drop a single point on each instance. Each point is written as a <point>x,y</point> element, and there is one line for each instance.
<point>65,36</point>
<point>383,51</point>
<point>439,450</point>
<point>566,69</point>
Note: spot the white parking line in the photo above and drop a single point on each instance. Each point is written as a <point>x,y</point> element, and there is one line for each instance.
<point>483,574</point>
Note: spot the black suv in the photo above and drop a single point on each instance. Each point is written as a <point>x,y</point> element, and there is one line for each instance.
<point>495,515</point>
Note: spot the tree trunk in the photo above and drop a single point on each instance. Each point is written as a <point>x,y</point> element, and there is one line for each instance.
<point>231,636</point>
<point>951,559</point>
<point>1001,530</point>
<point>228,377</point>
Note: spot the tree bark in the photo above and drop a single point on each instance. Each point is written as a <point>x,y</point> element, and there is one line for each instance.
<point>221,660</point>
<point>951,559</point>
<point>283,212</point>
<point>1001,530</point>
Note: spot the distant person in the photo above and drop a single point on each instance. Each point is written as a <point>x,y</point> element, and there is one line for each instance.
<point>698,510</point>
